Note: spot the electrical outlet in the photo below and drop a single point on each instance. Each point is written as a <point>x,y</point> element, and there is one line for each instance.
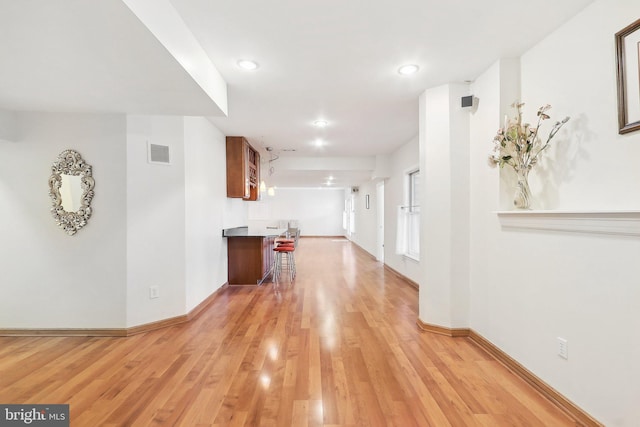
<point>154,292</point>
<point>563,348</point>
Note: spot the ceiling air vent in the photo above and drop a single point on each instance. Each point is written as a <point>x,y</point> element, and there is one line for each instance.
<point>159,154</point>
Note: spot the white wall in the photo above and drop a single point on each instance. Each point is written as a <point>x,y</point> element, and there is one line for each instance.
<point>403,160</point>
<point>8,126</point>
<point>444,207</point>
<point>50,279</point>
<point>155,220</point>
<point>484,189</point>
<point>528,287</point>
<point>176,214</point>
<point>208,210</point>
<point>366,235</point>
<point>582,84</point>
<point>318,211</point>
<point>152,225</point>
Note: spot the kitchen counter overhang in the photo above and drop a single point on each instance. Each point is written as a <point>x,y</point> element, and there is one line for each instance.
<point>253,232</point>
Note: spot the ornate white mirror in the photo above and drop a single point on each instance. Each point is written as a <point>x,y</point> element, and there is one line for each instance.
<point>71,190</point>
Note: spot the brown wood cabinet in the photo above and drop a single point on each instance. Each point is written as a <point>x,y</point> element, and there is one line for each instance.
<point>249,259</point>
<point>250,254</point>
<point>243,169</point>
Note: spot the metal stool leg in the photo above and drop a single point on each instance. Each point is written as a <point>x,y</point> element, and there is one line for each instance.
<point>277,266</point>
<point>292,266</point>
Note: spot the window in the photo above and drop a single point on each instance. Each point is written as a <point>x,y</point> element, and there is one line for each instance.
<point>408,233</point>
<point>413,215</point>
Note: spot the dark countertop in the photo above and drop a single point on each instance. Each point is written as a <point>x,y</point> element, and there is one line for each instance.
<point>252,232</point>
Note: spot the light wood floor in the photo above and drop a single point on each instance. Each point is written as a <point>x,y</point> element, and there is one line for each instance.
<point>338,347</point>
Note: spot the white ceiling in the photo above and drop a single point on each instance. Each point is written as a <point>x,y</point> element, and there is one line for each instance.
<point>89,56</point>
<point>333,59</point>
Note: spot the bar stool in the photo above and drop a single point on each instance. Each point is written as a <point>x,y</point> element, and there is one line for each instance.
<point>284,259</point>
<point>284,240</point>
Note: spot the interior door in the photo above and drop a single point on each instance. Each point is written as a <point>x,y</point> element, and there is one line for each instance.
<point>380,221</point>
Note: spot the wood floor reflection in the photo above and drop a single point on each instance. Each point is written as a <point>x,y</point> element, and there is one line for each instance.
<point>338,347</point>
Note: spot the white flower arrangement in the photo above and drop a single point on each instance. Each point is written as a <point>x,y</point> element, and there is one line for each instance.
<point>518,144</point>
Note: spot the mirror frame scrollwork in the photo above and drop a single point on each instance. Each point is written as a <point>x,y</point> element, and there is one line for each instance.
<point>70,162</point>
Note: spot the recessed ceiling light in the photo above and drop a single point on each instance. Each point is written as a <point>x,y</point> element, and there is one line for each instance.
<point>408,69</point>
<point>248,65</point>
<point>318,143</point>
<point>320,123</point>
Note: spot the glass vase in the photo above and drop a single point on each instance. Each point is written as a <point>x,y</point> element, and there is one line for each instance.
<point>522,198</point>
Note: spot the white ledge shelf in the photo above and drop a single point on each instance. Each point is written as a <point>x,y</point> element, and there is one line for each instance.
<point>620,223</point>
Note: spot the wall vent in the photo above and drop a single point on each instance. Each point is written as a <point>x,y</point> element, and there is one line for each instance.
<point>158,154</point>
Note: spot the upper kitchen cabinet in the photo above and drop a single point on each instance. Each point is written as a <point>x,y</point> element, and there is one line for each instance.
<point>243,169</point>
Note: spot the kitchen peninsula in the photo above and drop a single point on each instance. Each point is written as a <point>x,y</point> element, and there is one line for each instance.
<point>250,254</point>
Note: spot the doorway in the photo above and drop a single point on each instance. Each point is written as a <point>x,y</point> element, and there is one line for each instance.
<point>380,221</point>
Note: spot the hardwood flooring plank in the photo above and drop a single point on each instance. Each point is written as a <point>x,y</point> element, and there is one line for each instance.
<point>300,413</point>
<point>541,411</point>
<point>338,346</point>
<point>329,388</point>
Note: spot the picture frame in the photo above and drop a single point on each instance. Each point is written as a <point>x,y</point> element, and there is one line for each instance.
<point>366,201</point>
<point>628,77</point>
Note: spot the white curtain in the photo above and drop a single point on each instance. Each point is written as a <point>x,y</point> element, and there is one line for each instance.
<point>401,234</point>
